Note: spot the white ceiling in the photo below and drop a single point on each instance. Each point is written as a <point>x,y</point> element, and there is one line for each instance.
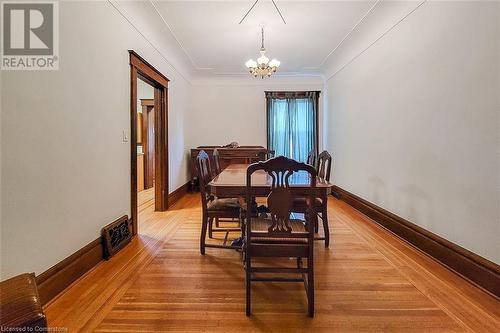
<point>209,33</point>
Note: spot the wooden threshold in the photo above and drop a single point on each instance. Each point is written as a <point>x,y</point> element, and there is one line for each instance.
<point>469,265</point>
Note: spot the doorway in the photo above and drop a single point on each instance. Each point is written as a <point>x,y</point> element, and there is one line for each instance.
<point>145,145</point>
<point>148,137</point>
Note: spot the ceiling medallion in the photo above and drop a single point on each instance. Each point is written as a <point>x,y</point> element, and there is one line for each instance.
<point>262,67</point>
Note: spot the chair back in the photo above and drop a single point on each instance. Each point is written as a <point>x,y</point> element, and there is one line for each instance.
<point>280,199</point>
<point>312,158</point>
<point>263,156</point>
<point>204,175</point>
<point>216,156</point>
<point>324,165</point>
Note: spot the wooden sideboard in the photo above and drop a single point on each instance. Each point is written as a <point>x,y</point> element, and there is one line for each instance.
<point>240,155</point>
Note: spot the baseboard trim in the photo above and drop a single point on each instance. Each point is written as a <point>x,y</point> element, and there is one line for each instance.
<point>480,271</point>
<point>60,276</point>
<point>177,194</point>
<point>57,278</point>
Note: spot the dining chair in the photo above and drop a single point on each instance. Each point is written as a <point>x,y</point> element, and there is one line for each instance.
<point>324,165</point>
<point>216,171</point>
<point>323,168</point>
<point>213,207</point>
<point>278,235</point>
<point>216,157</point>
<point>268,154</point>
<point>312,157</point>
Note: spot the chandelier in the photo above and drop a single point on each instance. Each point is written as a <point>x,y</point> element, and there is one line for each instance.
<point>262,67</point>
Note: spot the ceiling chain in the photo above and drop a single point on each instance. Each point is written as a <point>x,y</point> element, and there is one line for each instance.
<point>275,6</point>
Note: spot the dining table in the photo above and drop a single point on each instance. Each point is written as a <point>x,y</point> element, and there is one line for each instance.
<point>232,182</point>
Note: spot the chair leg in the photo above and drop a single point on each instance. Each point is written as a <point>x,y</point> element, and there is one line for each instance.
<point>204,222</point>
<point>316,226</point>
<point>326,229</point>
<point>310,288</point>
<point>248,285</point>
<point>210,227</point>
<point>217,222</point>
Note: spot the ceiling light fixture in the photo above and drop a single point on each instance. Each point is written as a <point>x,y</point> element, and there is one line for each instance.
<point>262,67</point>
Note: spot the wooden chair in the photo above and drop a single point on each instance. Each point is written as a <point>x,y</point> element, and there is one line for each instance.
<point>312,158</point>
<point>280,236</point>
<point>216,169</point>
<point>324,168</point>
<point>212,207</point>
<point>264,156</point>
<point>324,164</point>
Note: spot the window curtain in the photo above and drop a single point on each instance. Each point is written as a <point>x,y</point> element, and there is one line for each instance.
<point>292,123</point>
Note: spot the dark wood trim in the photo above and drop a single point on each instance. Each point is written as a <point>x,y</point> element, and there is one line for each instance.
<point>161,149</point>
<point>148,102</point>
<point>480,271</point>
<point>133,148</point>
<point>178,194</point>
<point>317,124</point>
<point>297,94</point>
<point>147,69</point>
<point>63,274</point>
<point>141,68</point>
<point>267,123</point>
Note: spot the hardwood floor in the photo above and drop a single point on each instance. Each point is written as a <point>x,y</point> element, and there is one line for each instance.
<point>145,200</point>
<point>368,281</point>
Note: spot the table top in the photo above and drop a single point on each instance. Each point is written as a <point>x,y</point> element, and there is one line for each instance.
<point>235,176</point>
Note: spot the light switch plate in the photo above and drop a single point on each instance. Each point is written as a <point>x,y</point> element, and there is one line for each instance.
<point>125,136</point>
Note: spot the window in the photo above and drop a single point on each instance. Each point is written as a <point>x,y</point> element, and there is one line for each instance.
<point>292,123</point>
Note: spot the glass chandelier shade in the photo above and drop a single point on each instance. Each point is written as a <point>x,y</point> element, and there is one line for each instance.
<point>262,67</point>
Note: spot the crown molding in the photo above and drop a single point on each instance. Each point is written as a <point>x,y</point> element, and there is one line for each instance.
<point>196,67</point>
<point>213,71</point>
<point>330,75</point>
<point>124,14</point>
<point>276,74</point>
<point>360,21</point>
<point>200,73</point>
<point>247,80</point>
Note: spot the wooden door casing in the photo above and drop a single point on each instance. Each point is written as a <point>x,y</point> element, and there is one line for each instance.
<point>140,68</point>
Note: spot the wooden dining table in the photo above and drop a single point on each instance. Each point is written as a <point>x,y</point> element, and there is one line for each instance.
<point>232,182</point>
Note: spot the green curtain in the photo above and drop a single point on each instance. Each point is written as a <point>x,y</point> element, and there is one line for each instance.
<point>292,123</point>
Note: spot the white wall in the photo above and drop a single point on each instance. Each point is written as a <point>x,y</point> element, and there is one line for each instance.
<point>413,123</point>
<point>414,119</point>
<point>144,91</point>
<point>234,109</point>
<point>65,171</point>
